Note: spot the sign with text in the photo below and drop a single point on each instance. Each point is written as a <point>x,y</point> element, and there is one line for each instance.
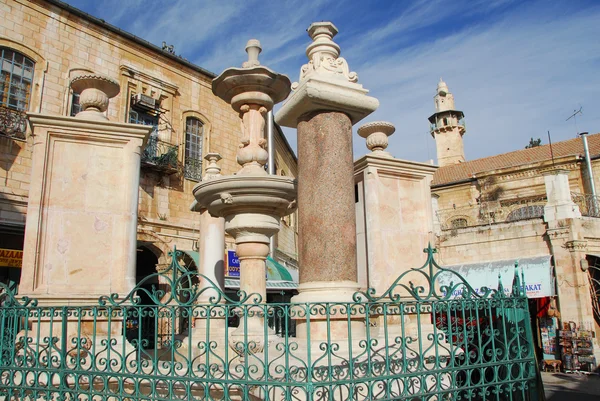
<point>233,264</point>
<point>536,270</point>
<point>11,258</point>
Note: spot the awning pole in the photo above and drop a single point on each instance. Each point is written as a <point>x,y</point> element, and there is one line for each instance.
<point>271,164</point>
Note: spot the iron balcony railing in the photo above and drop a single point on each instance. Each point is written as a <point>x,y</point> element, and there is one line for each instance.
<point>193,169</point>
<point>494,212</point>
<point>13,123</point>
<point>175,340</point>
<point>589,205</point>
<point>161,156</point>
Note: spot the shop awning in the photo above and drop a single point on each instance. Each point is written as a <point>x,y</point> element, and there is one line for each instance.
<point>276,271</point>
<point>536,270</point>
<point>233,283</point>
<point>195,256</point>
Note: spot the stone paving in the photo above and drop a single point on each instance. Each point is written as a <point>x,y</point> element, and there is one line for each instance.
<point>571,386</point>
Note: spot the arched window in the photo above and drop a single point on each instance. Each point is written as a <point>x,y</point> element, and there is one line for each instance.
<point>459,223</point>
<point>193,148</point>
<point>15,80</point>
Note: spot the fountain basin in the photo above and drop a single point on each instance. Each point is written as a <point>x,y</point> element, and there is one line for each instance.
<point>251,204</point>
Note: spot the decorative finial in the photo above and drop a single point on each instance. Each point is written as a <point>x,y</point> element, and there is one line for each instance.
<point>94,92</point>
<point>253,49</point>
<point>324,55</point>
<point>212,169</point>
<point>377,133</point>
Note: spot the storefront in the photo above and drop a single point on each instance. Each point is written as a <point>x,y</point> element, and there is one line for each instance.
<point>539,286</point>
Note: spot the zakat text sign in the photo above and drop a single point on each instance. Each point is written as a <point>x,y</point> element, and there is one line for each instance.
<point>233,264</point>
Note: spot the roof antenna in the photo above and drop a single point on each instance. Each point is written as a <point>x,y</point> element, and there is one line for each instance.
<point>574,117</point>
<point>551,153</point>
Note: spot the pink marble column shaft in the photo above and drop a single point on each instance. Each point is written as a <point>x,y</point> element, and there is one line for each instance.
<point>327,220</point>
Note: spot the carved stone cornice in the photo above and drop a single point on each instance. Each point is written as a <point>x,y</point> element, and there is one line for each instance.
<point>576,246</point>
<point>557,233</point>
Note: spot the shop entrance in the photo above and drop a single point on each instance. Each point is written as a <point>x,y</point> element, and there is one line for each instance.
<point>142,320</point>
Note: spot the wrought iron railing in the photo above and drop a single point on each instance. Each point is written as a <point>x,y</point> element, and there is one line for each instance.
<point>193,169</point>
<point>13,123</point>
<point>161,156</point>
<point>485,213</point>
<point>589,205</point>
<point>418,340</point>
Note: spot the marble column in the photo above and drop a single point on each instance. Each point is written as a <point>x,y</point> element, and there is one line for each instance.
<point>211,244</point>
<point>327,231</point>
<point>326,102</point>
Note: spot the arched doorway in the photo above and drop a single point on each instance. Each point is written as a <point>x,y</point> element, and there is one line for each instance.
<point>142,322</point>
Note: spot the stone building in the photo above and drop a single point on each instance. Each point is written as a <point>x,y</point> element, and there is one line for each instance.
<point>43,46</point>
<point>534,206</point>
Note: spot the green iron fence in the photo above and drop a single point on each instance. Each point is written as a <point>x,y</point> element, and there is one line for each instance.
<point>175,340</point>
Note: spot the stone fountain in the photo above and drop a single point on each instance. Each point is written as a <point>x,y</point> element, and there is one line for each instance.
<point>252,202</point>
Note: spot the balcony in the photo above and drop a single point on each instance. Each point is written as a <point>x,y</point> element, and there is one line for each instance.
<point>161,156</point>
<point>487,213</point>
<point>589,205</point>
<point>13,123</point>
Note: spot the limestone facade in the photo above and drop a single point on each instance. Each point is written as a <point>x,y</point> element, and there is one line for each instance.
<point>530,202</point>
<point>158,88</point>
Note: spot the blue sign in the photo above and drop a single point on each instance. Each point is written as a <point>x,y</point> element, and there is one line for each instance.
<point>233,264</point>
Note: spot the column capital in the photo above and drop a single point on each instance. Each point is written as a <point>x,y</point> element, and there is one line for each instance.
<point>326,82</point>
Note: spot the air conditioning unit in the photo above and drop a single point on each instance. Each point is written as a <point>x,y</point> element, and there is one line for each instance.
<point>144,102</point>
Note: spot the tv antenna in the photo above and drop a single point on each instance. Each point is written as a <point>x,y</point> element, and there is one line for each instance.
<point>574,117</point>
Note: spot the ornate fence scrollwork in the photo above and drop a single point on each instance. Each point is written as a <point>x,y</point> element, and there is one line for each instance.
<point>417,340</point>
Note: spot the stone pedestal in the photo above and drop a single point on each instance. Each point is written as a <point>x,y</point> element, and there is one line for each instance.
<point>395,209</point>
<point>325,104</point>
<point>80,242</point>
<point>395,205</point>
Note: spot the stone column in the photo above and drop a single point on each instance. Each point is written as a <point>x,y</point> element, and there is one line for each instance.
<point>211,243</point>
<point>209,319</point>
<point>325,104</point>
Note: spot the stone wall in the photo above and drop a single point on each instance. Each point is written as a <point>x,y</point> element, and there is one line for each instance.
<point>494,242</point>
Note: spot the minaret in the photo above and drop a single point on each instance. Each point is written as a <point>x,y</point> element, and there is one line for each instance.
<point>447,128</point>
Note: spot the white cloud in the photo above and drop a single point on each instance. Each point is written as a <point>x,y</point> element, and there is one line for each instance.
<point>516,69</point>
<point>514,79</point>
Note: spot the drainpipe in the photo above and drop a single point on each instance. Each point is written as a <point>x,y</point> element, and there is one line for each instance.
<point>271,163</point>
<point>588,162</point>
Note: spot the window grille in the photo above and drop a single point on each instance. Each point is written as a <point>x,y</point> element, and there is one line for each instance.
<point>193,148</point>
<point>16,77</point>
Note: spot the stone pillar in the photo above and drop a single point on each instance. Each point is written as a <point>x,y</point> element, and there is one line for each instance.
<point>80,242</point>
<point>560,204</point>
<point>325,104</point>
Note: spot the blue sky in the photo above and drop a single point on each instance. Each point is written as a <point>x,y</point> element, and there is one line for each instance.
<point>516,69</point>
